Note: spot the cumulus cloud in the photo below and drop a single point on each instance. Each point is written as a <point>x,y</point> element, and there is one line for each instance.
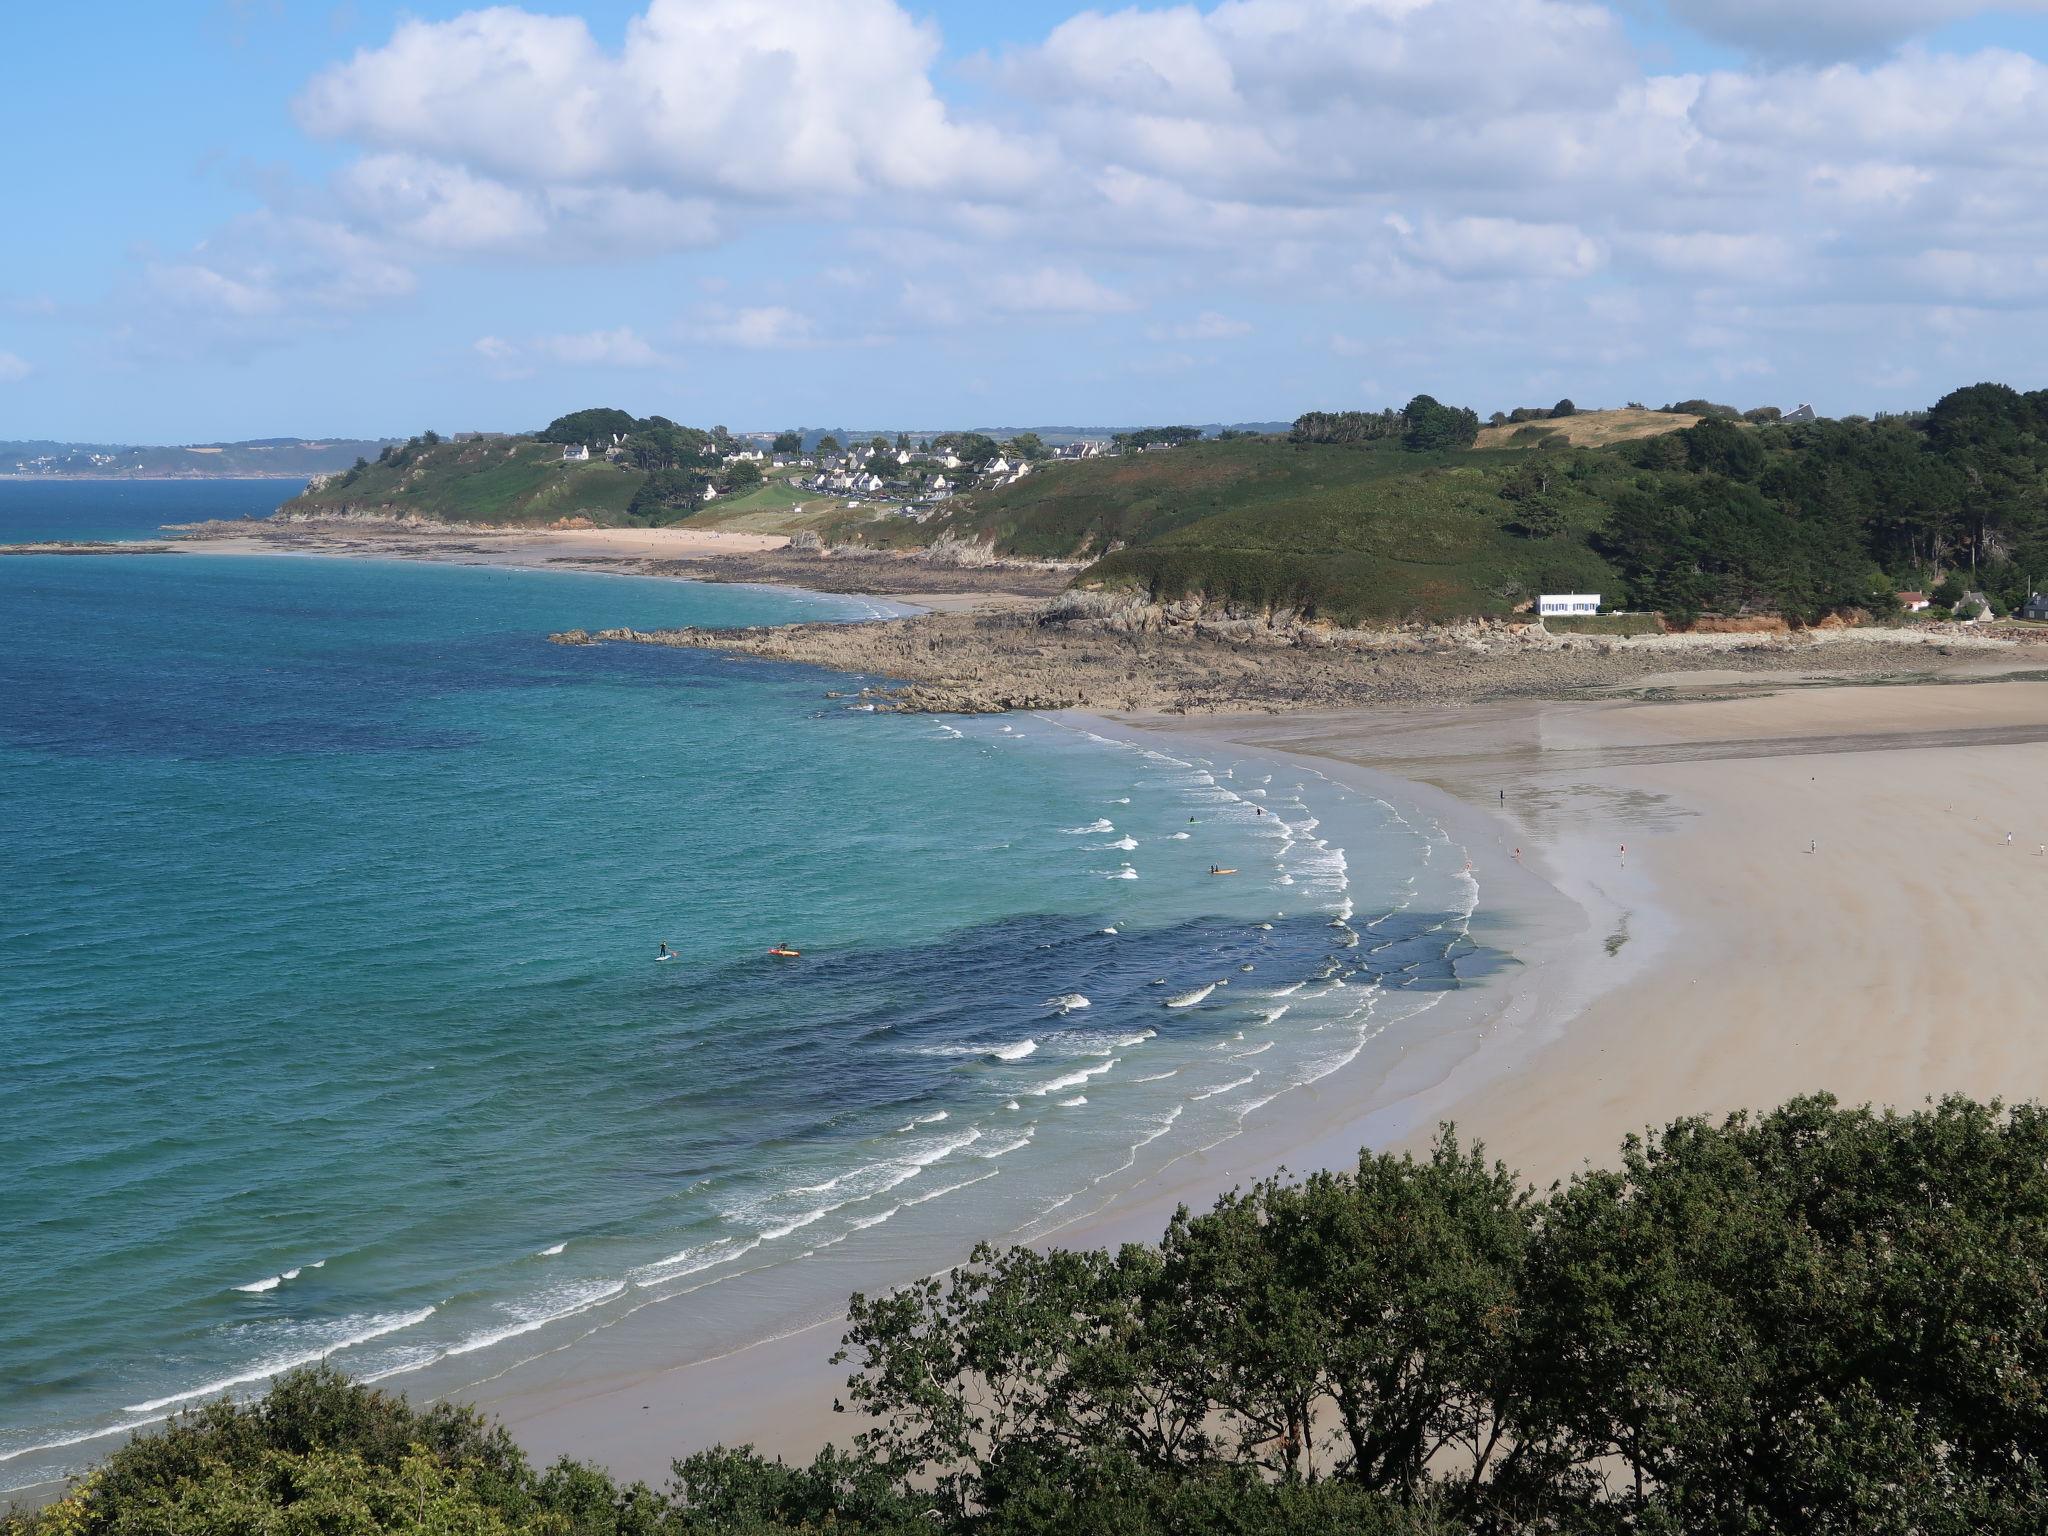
<point>1473,174</point>
<point>620,348</point>
<point>800,99</point>
<point>13,368</point>
<point>265,276</point>
<point>759,328</point>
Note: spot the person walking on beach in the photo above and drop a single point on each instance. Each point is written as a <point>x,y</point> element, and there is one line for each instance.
<point>1814,846</point>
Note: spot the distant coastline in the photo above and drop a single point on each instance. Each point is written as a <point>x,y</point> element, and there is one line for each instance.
<point>64,475</point>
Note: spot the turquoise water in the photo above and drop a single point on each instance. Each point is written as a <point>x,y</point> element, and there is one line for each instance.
<point>333,1026</point>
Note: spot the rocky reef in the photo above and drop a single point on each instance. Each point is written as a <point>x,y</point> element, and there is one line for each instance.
<point>1118,652</point>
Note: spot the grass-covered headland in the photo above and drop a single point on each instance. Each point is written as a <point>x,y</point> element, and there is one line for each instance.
<point>1814,1320</point>
<point>1355,516</point>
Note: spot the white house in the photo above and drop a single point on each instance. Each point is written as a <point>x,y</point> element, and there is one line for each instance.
<point>941,483</point>
<point>576,453</point>
<point>996,466</point>
<point>1913,602</point>
<point>1565,603</point>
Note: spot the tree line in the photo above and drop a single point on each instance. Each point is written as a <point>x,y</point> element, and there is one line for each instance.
<point>1810,517</point>
<point>1814,1319</point>
<point>1423,425</point>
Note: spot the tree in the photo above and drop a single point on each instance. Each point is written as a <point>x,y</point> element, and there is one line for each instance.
<point>1763,415</point>
<point>600,424</point>
<point>430,438</point>
<point>1431,427</point>
<point>789,442</point>
<point>660,444</point>
<point>1157,437</point>
<point>1564,408</point>
<point>1720,447</point>
<point>740,475</point>
<point>1344,427</point>
<point>968,447</point>
<point>666,492</point>
<point>828,444</point>
<point>1027,445</point>
<point>902,442</point>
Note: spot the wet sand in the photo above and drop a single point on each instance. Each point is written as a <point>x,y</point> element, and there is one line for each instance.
<point>1682,952</point>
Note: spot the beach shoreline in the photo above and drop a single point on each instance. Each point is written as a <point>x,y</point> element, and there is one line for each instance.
<point>1644,858</point>
<point>1660,976</point>
<point>635,1412</point>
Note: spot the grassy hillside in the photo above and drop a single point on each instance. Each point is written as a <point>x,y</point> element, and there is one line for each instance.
<point>1587,429</point>
<point>490,480</point>
<point>1347,533</point>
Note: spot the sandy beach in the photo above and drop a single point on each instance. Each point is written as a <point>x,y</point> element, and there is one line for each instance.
<point>1720,901</point>
<point>1722,888</point>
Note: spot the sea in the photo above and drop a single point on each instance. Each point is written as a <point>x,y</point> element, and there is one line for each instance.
<point>335,1023</point>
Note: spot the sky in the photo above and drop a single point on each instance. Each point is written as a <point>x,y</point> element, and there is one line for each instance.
<point>246,218</point>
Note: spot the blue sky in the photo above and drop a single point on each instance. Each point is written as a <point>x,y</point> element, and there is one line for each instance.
<point>265,217</point>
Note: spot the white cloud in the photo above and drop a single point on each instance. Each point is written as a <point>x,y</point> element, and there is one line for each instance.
<point>799,100</point>
<point>620,348</point>
<point>757,329</point>
<point>13,368</point>
<point>1461,176</point>
<point>1052,290</point>
<point>1207,326</point>
<point>1499,248</point>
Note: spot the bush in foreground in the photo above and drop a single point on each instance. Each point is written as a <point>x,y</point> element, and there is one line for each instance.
<point>1815,1319</point>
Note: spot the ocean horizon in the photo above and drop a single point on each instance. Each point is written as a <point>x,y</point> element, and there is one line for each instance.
<point>340,1027</point>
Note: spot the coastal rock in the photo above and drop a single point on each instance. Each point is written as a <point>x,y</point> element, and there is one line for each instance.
<point>571,637</point>
<point>1111,652</point>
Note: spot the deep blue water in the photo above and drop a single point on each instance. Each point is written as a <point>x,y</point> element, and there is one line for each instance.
<point>329,903</point>
<point>33,509</point>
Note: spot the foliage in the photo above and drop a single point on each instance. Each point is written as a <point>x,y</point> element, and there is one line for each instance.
<point>1431,427</point>
<point>1814,1319</point>
<point>321,1454</point>
<point>596,425</point>
<point>1564,408</point>
<point>741,475</point>
<point>1345,427</point>
<point>1156,437</point>
<point>1700,408</point>
<point>788,442</point>
<point>668,492</point>
<point>968,447</point>
<point>1027,445</point>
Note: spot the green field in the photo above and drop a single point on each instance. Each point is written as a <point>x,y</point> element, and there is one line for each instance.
<point>497,480</point>
<point>1344,533</point>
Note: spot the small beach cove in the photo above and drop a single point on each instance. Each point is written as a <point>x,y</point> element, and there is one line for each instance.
<point>519,1042</point>
<point>1549,1060</point>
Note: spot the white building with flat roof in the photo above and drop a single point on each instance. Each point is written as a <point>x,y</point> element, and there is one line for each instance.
<point>1562,603</point>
